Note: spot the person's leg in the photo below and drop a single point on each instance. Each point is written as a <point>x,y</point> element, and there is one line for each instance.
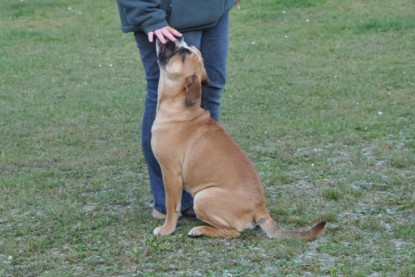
<point>149,59</point>
<point>214,48</point>
<point>213,44</point>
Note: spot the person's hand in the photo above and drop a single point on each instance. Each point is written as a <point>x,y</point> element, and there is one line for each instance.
<point>164,34</point>
<point>237,2</point>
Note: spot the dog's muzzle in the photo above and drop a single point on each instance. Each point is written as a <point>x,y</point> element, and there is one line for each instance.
<point>166,51</point>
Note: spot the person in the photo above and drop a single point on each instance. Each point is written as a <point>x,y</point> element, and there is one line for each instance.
<point>203,24</point>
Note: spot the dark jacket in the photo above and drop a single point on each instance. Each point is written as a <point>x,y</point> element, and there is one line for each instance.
<point>184,15</point>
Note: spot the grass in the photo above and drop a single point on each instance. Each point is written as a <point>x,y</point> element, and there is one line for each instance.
<point>320,95</point>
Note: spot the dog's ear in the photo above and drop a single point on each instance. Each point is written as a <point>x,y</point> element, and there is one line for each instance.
<point>193,90</point>
<point>205,82</point>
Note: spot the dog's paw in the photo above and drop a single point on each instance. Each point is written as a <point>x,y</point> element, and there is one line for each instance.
<point>162,231</point>
<point>195,233</point>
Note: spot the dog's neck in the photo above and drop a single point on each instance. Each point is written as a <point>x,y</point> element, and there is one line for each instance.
<point>171,105</point>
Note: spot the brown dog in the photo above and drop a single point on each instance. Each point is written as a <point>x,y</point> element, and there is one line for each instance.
<point>196,154</point>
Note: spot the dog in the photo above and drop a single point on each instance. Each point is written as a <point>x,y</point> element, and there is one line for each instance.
<point>197,155</point>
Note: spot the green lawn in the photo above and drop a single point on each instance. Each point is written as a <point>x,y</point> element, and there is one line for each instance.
<point>320,94</point>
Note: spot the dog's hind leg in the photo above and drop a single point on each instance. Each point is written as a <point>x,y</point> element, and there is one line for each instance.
<point>212,207</point>
<point>210,231</point>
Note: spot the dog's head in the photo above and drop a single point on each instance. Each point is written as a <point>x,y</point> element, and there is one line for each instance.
<point>182,65</point>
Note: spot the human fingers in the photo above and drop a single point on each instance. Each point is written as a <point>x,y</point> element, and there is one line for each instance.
<point>174,31</point>
<point>160,36</point>
<point>168,33</point>
<point>156,33</point>
<point>164,34</point>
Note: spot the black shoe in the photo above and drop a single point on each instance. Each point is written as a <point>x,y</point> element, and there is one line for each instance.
<point>189,212</point>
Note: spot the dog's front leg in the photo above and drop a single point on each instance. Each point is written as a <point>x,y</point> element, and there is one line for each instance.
<point>173,186</point>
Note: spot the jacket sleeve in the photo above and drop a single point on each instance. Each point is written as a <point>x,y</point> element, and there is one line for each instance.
<point>143,15</point>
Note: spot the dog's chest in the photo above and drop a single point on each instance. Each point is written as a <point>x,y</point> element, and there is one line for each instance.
<point>167,139</point>
<point>160,137</point>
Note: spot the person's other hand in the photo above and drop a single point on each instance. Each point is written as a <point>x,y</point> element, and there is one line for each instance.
<point>164,34</point>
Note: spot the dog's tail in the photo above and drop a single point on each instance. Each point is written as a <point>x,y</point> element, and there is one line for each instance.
<point>273,230</point>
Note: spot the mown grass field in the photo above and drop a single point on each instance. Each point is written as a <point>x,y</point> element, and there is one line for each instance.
<point>320,94</point>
